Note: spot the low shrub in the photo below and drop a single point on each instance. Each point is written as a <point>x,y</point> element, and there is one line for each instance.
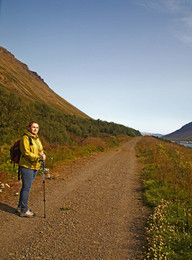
<point>167,182</point>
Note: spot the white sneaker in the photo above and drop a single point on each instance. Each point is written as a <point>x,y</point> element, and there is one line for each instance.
<point>28,214</point>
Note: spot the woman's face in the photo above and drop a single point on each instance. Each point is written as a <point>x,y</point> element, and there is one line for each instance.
<point>34,129</point>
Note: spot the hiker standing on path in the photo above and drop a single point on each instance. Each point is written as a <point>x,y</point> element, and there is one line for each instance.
<point>30,161</point>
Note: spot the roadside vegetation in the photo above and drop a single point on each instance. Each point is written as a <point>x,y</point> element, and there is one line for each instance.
<point>167,182</point>
<point>62,154</point>
<point>55,127</point>
<point>64,137</point>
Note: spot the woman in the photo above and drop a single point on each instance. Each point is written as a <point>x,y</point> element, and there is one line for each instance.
<point>30,161</point>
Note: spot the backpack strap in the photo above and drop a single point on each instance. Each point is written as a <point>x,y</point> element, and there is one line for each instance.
<point>30,139</point>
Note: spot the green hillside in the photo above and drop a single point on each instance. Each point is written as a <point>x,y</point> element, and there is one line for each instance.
<point>15,77</point>
<point>26,97</point>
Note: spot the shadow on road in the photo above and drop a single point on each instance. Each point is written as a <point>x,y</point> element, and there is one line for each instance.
<point>7,208</point>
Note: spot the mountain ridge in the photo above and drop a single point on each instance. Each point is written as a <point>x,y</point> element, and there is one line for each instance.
<point>151,134</point>
<point>182,134</point>
<point>16,77</point>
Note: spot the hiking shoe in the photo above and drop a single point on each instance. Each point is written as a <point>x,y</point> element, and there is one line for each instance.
<point>28,214</point>
<point>18,209</point>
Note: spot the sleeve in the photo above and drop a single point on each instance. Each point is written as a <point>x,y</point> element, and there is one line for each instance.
<point>40,146</point>
<point>26,151</point>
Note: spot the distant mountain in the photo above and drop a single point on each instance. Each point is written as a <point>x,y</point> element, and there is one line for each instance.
<point>182,134</point>
<point>15,77</point>
<point>151,134</point>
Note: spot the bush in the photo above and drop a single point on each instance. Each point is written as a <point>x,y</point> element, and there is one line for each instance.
<point>55,126</point>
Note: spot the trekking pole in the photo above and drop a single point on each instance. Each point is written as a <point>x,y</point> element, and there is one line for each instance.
<point>44,187</point>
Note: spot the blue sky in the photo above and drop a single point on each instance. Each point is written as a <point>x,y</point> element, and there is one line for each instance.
<point>126,61</point>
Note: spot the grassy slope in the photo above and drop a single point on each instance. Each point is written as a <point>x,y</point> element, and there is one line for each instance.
<point>16,77</point>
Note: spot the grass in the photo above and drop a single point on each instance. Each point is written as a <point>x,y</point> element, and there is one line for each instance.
<point>17,76</point>
<point>167,182</point>
<point>60,154</point>
<point>81,148</point>
<point>64,208</point>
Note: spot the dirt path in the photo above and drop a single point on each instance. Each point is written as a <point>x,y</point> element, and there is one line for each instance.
<point>102,216</point>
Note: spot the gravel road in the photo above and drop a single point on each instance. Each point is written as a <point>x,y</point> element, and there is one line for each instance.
<point>93,211</point>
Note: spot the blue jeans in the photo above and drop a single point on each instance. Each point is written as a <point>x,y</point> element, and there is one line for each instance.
<point>27,176</point>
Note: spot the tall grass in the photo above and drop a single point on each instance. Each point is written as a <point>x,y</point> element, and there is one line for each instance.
<point>81,147</point>
<point>167,181</point>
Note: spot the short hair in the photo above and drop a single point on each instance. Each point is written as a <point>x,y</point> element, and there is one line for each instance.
<point>32,122</point>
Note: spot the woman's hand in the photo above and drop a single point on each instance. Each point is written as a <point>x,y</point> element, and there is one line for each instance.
<point>42,156</point>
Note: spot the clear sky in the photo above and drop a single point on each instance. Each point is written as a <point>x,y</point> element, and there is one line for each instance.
<point>125,61</point>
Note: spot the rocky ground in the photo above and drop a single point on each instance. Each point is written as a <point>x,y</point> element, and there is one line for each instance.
<point>93,211</point>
